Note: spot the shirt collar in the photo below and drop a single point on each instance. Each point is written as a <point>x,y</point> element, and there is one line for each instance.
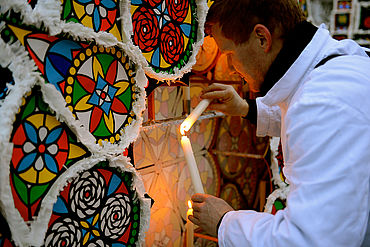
<point>293,46</point>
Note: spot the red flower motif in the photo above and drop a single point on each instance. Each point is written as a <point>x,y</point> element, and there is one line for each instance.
<point>146,29</point>
<point>152,3</point>
<point>172,43</point>
<point>178,9</point>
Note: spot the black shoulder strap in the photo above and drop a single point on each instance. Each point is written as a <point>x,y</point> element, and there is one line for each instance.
<point>322,62</point>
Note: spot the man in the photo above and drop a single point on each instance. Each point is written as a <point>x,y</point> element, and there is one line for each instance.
<point>316,97</point>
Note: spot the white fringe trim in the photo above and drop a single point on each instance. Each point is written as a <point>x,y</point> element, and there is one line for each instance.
<point>280,193</point>
<point>274,145</point>
<point>16,59</point>
<point>283,188</point>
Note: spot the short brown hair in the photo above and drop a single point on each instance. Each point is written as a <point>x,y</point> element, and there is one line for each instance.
<point>237,18</point>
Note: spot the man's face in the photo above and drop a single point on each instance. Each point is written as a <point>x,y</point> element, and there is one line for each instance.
<point>244,58</point>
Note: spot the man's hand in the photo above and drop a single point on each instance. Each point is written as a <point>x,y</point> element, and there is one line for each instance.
<point>208,211</point>
<point>225,99</point>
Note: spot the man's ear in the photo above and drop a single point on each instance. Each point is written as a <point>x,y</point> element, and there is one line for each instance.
<point>263,36</point>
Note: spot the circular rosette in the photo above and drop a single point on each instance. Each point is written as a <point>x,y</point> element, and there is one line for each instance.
<point>45,148</point>
<point>64,232</point>
<point>172,43</point>
<point>178,9</point>
<point>145,26</point>
<point>115,216</point>
<point>105,204</point>
<point>87,193</point>
<point>100,92</point>
<point>174,28</point>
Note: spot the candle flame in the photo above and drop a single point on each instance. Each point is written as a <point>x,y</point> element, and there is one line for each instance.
<point>190,205</point>
<point>185,126</point>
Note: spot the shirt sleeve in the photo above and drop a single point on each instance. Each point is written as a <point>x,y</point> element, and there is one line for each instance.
<point>268,119</point>
<point>327,166</point>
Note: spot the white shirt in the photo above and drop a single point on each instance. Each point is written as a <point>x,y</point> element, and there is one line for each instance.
<point>323,118</point>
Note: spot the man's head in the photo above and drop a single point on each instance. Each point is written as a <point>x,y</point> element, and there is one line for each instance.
<point>252,32</point>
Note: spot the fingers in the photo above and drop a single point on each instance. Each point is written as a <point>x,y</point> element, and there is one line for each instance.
<point>217,91</point>
<point>196,215</point>
<point>197,206</point>
<point>213,95</point>
<point>215,87</point>
<point>194,220</point>
<point>198,197</point>
<point>218,107</point>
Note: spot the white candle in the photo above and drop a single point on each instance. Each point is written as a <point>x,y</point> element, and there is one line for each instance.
<point>194,115</point>
<point>187,92</point>
<point>189,227</point>
<point>193,169</point>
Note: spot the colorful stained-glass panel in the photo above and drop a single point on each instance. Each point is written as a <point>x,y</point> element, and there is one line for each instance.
<point>165,31</point>
<point>98,83</point>
<point>101,15</point>
<point>96,209</point>
<point>43,149</point>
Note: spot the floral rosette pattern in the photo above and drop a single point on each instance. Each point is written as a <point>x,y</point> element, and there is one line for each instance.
<point>64,232</point>
<point>96,209</point>
<point>86,194</point>
<point>111,212</point>
<point>43,149</point>
<point>100,15</point>
<point>165,32</point>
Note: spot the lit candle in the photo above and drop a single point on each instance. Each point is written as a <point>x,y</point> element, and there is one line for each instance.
<point>194,115</point>
<point>193,169</point>
<point>189,227</point>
